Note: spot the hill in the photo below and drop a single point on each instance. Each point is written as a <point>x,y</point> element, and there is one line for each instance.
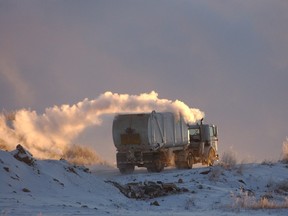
<point>49,187</point>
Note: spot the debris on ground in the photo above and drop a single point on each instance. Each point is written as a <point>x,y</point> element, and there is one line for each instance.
<point>148,190</point>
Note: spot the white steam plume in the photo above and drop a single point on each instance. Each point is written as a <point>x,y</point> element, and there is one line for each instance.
<point>50,134</point>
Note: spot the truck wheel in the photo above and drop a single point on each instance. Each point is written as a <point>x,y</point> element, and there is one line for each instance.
<point>190,160</point>
<point>128,169</point>
<point>182,161</point>
<point>211,157</point>
<point>178,165</point>
<point>157,166</point>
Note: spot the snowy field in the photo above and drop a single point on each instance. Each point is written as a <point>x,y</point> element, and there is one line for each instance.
<point>51,187</point>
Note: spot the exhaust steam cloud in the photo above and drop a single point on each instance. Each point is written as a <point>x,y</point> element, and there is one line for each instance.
<point>51,134</point>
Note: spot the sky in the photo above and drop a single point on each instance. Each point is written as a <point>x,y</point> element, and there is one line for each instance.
<point>227,58</point>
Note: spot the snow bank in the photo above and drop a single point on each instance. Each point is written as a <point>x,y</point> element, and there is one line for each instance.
<point>56,187</point>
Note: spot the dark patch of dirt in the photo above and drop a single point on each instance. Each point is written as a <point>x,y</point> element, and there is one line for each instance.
<point>26,190</point>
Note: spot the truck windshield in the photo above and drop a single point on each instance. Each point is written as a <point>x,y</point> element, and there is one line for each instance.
<point>194,134</point>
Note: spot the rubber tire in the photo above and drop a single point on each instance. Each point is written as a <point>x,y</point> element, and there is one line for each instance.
<point>211,156</point>
<point>157,166</point>
<point>190,161</point>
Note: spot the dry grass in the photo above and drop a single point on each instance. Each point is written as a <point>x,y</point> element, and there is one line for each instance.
<point>268,163</point>
<point>265,203</point>
<point>81,155</point>
<point>228,160</point>
<point>246,201</point>
<point>242,200</point>
<point>249,201</point>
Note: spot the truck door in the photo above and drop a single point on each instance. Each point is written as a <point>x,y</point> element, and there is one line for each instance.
<point>213,136</point>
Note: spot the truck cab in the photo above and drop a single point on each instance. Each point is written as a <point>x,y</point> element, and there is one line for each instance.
<point>203,139</point>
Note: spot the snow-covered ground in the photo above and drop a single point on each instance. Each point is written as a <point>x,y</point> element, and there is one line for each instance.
<point>50,187</point>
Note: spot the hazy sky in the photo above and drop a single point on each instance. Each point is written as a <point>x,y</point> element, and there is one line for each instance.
<point>228,58</point>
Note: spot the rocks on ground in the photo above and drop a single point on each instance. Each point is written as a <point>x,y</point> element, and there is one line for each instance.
<point>21,154</point>
<point>148,190</point>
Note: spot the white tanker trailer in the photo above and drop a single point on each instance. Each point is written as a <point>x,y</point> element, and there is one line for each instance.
<point>156,140</point>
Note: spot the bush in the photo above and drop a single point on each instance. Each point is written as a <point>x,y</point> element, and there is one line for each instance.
<point>81,155</point>
<point>228,160</point>
<point>265,203</point>
<point>245,201</point>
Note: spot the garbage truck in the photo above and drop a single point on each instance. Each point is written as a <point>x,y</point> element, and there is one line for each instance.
<point>159,139</point>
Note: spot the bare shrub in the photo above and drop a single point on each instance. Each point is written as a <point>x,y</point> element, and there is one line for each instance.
<point>244,200</point>
<point>285,150</point>
<point>265,203</point>
<point>82,155</point>
<point>268,163</point>
<point>247,200</point>
<point>228,160</point>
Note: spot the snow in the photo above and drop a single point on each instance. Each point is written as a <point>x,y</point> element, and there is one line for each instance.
<point>59,188</point>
